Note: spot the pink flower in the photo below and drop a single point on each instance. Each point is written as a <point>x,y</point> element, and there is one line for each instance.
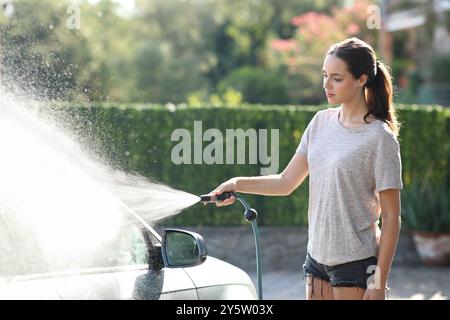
<point>352,29</point>
<point>296,21</point>
<point>310,16</point>
<point>283,45</point>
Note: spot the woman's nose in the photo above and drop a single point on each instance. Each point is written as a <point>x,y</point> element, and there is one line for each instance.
<point>326,83</point>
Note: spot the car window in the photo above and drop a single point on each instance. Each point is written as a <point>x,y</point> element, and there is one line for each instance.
<point>127,248</point>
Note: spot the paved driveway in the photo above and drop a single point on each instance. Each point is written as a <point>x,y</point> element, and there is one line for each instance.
<point>284,250</point>
<point>417,283</point>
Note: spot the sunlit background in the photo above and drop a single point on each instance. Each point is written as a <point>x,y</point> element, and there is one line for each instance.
<point>216,51</point>
<point>133,71</point>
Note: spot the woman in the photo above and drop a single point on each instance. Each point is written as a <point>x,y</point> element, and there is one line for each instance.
<point>352,157</point>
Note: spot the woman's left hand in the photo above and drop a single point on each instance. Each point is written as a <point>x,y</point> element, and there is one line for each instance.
<point>374,294</point>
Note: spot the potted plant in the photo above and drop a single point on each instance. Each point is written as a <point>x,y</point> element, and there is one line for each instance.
<point>426,213</point>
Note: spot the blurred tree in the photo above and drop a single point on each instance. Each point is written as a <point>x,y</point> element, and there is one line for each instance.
<point>163,52</point>
<point>174,52</point>
<point>246,25</point>
<point>257,85</point>
<point>38,53</point>
<point>111,42</point>
<point>216,37</point>
<point>42,55</point>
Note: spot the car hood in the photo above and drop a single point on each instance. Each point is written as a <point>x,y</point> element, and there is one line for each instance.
<point>218,273</point>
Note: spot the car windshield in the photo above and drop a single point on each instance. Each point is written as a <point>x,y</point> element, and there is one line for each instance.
<point>25,251</point>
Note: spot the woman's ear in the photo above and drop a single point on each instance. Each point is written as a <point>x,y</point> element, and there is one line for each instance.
<point>363,80</point>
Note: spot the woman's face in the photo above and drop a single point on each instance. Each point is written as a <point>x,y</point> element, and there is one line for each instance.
<point>339,84</point>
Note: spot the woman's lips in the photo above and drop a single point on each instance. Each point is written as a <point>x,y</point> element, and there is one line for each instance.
<point>329,95</point>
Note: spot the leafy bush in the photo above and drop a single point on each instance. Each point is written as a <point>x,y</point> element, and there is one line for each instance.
<point>426,206</point>
<point>137,138</point>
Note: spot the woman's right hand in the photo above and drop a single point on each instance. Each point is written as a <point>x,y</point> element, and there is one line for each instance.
<point>227,186</point>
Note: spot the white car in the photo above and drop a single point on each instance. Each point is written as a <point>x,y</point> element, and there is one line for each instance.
<point>136,264</point>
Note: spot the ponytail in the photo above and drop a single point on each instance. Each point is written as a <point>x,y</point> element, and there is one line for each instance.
<point>379,97</point>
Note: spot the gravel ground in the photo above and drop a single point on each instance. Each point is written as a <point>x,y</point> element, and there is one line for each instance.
<point>406,283</point>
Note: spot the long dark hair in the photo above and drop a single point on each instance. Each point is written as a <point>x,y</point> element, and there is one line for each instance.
<point>360,59</point>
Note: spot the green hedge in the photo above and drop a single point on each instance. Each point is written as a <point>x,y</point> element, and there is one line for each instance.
<point>137,138</point>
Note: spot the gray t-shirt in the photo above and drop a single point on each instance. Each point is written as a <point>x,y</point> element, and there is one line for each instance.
<point>347,169</point>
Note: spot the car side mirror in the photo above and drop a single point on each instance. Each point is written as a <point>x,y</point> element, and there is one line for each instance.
<point>181,248</point>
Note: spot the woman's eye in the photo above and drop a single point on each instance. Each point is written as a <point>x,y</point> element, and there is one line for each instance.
<point>338,80</point>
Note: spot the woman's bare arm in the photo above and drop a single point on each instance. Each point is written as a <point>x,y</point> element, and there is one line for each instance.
<point>390,230</point>
<point>281,184</point>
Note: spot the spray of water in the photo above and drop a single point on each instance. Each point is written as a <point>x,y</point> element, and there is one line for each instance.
<point>57,202</point>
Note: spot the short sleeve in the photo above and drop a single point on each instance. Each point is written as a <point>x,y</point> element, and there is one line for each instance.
<point>388,165</point>
<point>304,142</point>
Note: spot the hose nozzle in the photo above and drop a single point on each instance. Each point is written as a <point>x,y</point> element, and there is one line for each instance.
<point>214,198</point>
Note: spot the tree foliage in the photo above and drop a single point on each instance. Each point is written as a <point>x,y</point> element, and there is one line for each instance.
<point>168,51</point>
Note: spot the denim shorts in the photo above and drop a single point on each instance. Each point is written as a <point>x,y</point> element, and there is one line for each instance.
<point>350,274</point>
